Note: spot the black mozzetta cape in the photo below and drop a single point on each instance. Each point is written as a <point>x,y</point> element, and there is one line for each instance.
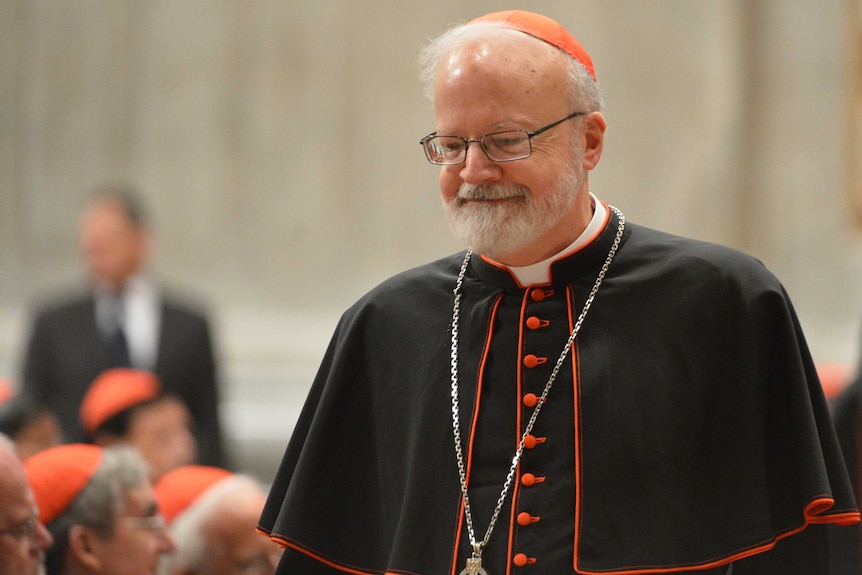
<point>685,431</point>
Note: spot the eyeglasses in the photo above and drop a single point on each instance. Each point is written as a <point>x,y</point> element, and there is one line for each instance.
<point>27,529</point>
<point>153,522</point>
<point>505,146</point>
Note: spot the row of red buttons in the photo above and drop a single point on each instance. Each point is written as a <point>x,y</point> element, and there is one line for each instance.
<point>530,400</point>
<point>524,518</point>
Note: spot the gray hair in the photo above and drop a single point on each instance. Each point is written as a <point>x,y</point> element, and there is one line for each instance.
<point>187,530</point>
<point>100,503</point>
<point>584,92</point>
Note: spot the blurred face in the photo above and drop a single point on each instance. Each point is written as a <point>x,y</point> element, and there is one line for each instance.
<point>41,433</point>
<point>161,431</point>
<point>23,540</point>
<point>114,248</point>
<point>234,547</point>
<point>523,211</point>
<point>138,540</point>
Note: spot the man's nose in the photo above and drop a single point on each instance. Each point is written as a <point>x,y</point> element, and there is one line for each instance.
<point>478,167</point>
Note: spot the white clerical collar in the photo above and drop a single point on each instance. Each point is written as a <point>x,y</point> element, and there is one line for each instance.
<point>540,273</point>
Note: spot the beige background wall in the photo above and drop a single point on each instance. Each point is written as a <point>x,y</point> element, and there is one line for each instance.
<point>276,143</point>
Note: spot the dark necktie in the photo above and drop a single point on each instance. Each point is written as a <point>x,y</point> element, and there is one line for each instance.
<point>116,337</point>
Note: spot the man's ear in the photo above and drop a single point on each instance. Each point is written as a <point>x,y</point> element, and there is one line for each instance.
<point>83,548</point>
<point>594,139</point>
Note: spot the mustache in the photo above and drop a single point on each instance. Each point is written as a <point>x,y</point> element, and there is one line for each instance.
<point>468,192</point>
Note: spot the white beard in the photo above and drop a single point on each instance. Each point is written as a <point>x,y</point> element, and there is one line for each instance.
<point>499,228</point>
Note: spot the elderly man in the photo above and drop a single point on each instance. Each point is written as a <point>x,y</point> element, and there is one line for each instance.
<point>212,515</point>
<point>100,508</point>
<point>23,538</point>
<point>574,393</point>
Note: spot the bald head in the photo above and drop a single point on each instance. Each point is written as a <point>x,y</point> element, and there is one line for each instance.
<point>504,68</point>
<point>582,89</point>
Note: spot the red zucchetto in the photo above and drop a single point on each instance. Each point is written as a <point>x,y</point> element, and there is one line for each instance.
<point>180,488</point>
<point>116,390</point>
<point>58,474</point>
<point>544,29</point>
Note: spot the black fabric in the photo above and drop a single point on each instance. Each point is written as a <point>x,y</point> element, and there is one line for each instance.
<point>846,543</point>
<point>690,429</point>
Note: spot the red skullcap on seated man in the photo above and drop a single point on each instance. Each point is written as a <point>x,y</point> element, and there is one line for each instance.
<point>213,515</point>
<point>58,474</point>
<point>128,406</point>
<point>178,489</point>
<point>114,391</point>
<point>99,506</point>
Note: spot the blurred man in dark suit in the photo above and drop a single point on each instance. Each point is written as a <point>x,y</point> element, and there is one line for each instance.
<point>124,319</point>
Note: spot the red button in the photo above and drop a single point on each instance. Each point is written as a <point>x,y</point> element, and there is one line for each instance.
<point>520,560</point>
<point>531,399</point>
<point>531,441</point>
<point>537,294</point>
<point>535,323</point>
<point>528,479</point>
<point>532,361</point>
<point>525,519</point>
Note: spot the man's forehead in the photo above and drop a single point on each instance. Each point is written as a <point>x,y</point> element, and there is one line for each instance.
<point>500,83</point>
<point>497,45</point>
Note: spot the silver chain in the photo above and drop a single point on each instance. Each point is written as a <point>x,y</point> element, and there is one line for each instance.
<point>456,418</point>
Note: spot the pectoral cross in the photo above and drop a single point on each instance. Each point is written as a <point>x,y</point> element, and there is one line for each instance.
<point>474,567</point>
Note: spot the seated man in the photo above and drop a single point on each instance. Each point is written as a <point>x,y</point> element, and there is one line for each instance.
<point>212,515</point>
<point>23,538</point>
<point>99,506</point>
<point>128,406</point>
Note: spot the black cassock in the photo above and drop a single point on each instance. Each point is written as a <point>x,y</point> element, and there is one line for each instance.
<point>686,429</point>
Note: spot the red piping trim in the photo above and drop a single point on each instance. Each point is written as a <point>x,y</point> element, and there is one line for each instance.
<point>576,423</point>
<point>599,232</point>
<point>506,269</point>
<point>329,562</point>
<point>811,513</point>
